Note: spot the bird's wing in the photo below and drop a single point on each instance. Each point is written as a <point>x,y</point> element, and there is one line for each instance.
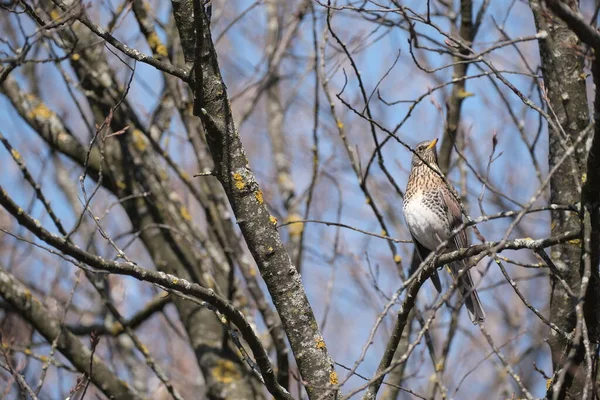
<point>422,253</point>
<point>452,208</point>
<point>465,283</point>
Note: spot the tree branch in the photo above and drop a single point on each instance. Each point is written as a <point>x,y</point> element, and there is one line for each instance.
<point>123,48</point>
<point>155,305</point>
<point>32,310</point>
<point>283,281</point>
<point>167,281</point>
<point>414,286</point>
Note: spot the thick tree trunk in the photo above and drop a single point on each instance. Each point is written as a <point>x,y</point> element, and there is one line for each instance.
<point>564,80</point>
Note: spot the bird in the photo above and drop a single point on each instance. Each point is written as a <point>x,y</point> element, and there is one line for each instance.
<point>432,212</point>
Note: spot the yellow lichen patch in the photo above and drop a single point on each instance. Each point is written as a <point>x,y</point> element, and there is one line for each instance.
<point>156,45</point>
<point>333,378</point>
<point>15,155</point>
<point>368,200</point>
<point>273,220</point>
<point>295,226</point>
<point>575,242</point>
<point>27,351</point>
<point>116,328</point>
<point>259,196</point>
<point>54,15</point>
<point>225,372</point>
<point>383,232</point>
<point>320,343</point>
<point>185,176</point>
<point>40,111</point>
<point>174,281</point>
<point>139,141</point>
<point>583,178</point>
<point>239,181</point>
<point>463,94</point>
<point>185,213</point>
<point>252,271</point>
<point>340,124</point>
<point>121,185</point>
<point>161,50</point>
<point>397,258</point>
<point>144,349</point>
<point>43,359</point>
<point>439,366</point>
<point>75,57</point>
<point>548,383</point>
<point>162,174</point>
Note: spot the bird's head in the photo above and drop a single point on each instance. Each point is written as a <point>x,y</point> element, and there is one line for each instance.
<point>426,151</point>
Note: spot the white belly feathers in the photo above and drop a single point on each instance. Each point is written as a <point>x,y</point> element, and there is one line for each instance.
<point>424,224</point>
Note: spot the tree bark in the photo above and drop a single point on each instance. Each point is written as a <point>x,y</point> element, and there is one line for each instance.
<point>564,80</point>
<point>283,281</point>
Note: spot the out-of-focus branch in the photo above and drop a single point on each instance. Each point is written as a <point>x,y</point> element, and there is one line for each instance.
<point>275,111</point>
<point>155,305</point>
<point>31,309</point>
<point>49,126</point>
<point>276,58</point>
<point>243,191</point>
<point>467,32</point>
<point>278,135</point>
<point>133,53</point>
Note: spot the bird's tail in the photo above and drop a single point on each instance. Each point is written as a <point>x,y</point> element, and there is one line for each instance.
<point>468,292</point>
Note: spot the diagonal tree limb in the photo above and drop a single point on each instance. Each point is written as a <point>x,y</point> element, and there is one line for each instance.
<point>283,281</point>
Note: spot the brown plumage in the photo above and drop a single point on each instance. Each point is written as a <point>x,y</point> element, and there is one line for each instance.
<point>432,212</point>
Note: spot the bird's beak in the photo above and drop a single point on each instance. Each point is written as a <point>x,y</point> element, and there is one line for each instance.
<point>432,144</point>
